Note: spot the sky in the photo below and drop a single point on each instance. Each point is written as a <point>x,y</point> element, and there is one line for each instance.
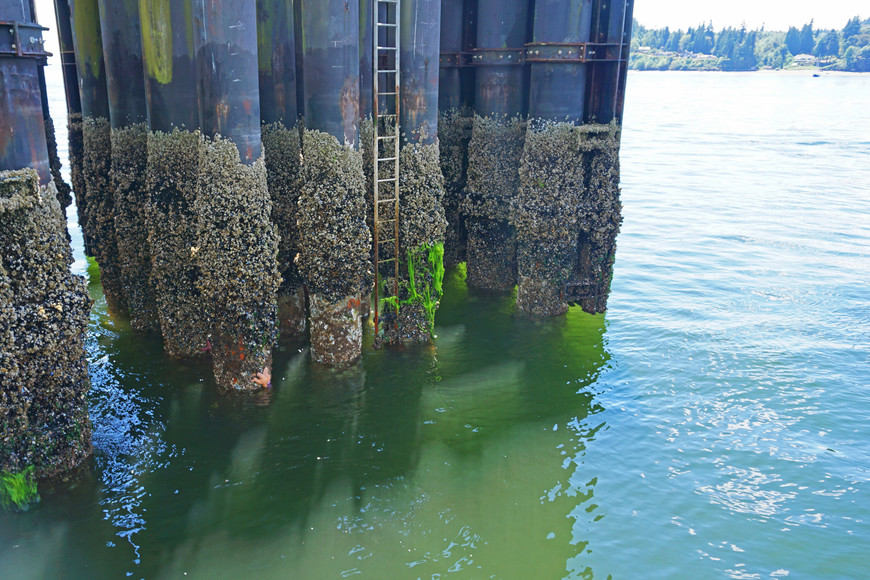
<point>773,14</point>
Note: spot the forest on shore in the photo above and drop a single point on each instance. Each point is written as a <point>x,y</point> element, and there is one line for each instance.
<point>739,49</point>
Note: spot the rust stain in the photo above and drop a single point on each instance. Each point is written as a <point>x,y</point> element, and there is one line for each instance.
<point>247,105</point>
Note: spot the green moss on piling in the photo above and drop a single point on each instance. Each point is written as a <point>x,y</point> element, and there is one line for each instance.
<point>173,172</point>
<point>43,317</point>
<point>335,245</point>
<point>494,155</point>
<point>237,252</point>
<point>77,176</point>
<point>454,134</point>
<point>283,171</point>
<point>132,199</point>
<point>100,208</point>
<point>566,216</point>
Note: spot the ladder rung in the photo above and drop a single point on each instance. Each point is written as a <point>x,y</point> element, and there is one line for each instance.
<point>386,158</point>
<point>386,200</point>
<point>390,241</point>
<point>393,94</point>
<point>387,261</point>
<point>387,72</point>
<point>388,180</point>
<point>386,221</point>
<point>388,48</point>
<point>386,136</point>
<point>387,24</point>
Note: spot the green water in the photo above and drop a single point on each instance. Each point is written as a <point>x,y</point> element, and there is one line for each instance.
<point>713,424</point>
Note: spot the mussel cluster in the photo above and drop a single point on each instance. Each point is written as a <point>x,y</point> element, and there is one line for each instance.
<point>237,250</point>
<point>100,207</point>
<point>454,134</point>
<point>567,215</point>
<point>132,198</point>
<point>43,317</point>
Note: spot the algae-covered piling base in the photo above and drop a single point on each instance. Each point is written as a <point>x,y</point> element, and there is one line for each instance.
<point>567,216</point>
<point>422,226</point>
<point>454,135</point>
<point>237,249</point>
<point>77,176</point>
<point>335,245</point>
<point>494,155</point>
<point>43,317</point>
<point>132,199</point>
<point>100,207</point>
<point>283,166</point>
<point>173,169</point>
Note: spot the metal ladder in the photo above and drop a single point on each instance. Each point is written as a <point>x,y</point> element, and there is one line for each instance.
<point>385,117</point>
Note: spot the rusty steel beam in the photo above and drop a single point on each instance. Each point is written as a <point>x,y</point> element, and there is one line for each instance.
<point>501,84</point>
<point>91,70</point>
<point>558,87</point>
<point>276,55</point>
<point>331,67</point>
<point>419,45</point>
<point>450,74</point>
<point>122,46</point>
<point>611,28</point>
<point>22,134</point>
<point>67,57</point>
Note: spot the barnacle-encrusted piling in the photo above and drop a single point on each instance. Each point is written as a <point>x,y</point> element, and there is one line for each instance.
<point>237,248</point>
<point>334,247</point>
<point>283,166</point>
<point>100,204</point>
<point>64,192</point>
<point>454,134</point>
<point>173,170</point>
<point>129,181</point>
<point>75,126</point>
<point>421,231</point>
<point>43,317</point>
<point>494,155</point>
<point>567,216</point>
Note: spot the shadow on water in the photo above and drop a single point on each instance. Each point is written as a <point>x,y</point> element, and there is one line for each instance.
<point>463,455</point>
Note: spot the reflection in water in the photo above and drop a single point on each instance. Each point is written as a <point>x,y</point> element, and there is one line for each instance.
<point>421,461</point>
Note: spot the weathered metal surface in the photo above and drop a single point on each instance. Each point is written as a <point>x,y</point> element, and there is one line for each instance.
<point>276,55</point>
<point>501,90</point>
<point>366,52</point>
<point>330,47</point>
<point>226,57</point>
<point>558,88</point>
<point>87,39</point>
<point>22,133</point>
<point>122,47</point>
<point>450,75</point>
<point>420,41</point>
<point>168,57</point>
<point>67,57</point>
<point>611,28</point>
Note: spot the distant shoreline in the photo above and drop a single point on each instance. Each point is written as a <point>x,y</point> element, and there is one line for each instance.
<point>780,72</point>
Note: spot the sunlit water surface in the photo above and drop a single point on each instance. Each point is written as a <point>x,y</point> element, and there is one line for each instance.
<point>715,423</point>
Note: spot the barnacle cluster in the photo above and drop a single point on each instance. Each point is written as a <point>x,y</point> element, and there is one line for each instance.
<point>334,249</point>
<point>100,207</point>
<point>567,215</point>
<point>129,180</point>
<point>454,134</point>
<point>43,317</point>
<point>77,176</point>
<point>283,173</point>
<point>494,154</point>
<point>237,256</point>
<point>173,170</point>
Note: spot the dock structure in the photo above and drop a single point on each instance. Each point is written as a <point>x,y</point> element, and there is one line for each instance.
<point>248,167</point>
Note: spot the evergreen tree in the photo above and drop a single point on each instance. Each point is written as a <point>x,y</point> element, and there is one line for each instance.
<point>828,45</point>
<point>852,28</point>
<point>793,40</point>
<point>808,41</point>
